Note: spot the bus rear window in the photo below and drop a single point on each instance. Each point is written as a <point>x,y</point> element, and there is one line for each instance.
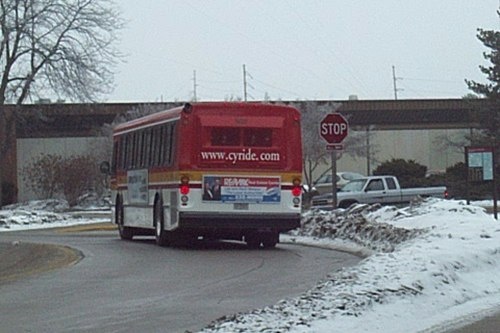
<point>258,137</point>
<point>225,136</point>
<point>249,137</point>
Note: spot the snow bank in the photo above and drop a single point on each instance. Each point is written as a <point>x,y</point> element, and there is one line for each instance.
<point>431,263</point>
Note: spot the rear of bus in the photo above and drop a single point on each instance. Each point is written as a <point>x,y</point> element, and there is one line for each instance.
<point>240,166</point>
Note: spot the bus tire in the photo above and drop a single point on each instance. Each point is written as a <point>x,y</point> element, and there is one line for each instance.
<point>162,237</point>
<point>253,240</point>
<point>270,240</point>
<point>126,233</point>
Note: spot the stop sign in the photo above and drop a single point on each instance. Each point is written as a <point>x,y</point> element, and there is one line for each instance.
<point>334,128</point>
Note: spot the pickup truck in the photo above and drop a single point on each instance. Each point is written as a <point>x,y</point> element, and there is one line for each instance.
<point>376,189</point>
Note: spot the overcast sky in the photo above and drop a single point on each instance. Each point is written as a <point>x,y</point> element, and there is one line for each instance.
<point>297,50</point>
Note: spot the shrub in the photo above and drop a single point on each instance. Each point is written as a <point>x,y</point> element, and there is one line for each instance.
<point>409,173</point>
<point>77,177</point>
<point>70,177</point>
<point>41,175</point>
<point>456,182</point>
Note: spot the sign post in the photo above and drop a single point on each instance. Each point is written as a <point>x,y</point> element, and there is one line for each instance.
<point>481,167</point>
<point>334,129</point>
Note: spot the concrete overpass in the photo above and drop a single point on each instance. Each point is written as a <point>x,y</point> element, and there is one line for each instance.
<point>43,121</point>
<point>67,120</point>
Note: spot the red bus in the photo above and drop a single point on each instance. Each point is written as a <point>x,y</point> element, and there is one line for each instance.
<point>215,170</point>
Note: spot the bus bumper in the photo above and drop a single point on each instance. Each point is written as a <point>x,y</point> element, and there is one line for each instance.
<point>278,222</point>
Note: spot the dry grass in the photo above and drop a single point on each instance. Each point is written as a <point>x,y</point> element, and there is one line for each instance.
<point>104,226</point>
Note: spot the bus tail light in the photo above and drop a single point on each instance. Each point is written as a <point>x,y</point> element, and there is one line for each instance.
<point>184,187</point>
<point>297,189</point>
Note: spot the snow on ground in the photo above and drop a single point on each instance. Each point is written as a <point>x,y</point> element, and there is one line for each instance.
<point>43,214</point>
<point>427,267</point>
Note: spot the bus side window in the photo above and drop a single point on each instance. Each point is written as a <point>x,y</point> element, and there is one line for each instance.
<point>156,146</point>
<point>142,149</point>
<point>171,144</point>
<point>131,144</point>
<point>123,153</point>
<point>137,155</point>
<point>161,145</point>
<point>137,149</point>
<point>149,147</point>
<point>130,151</point>
<point>133,150</point>
<point>166,144</point>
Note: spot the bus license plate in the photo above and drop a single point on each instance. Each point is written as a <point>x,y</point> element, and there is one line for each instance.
<point>240,206</point>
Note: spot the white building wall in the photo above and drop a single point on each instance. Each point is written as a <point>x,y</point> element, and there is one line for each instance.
<point>423,146</point>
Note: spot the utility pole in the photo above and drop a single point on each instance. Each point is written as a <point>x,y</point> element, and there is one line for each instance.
<point>394,82</point>
<point>195,98</point>
<point>244,83</point>
<point>368,166</point>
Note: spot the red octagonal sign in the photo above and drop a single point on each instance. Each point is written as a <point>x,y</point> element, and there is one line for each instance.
<point>334,128</point>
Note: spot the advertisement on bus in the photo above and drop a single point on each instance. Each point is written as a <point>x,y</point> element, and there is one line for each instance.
<point>242,189</point>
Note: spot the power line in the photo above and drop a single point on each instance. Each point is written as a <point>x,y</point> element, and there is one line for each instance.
<point>329,50</point>
<point>267,48</point>
<point>229,90</point>
<point>277,88</point>
<point>219,81</point>
<point>246,84</point>
<point>427,80</point>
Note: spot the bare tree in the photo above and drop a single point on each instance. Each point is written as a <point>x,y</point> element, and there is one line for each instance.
<point>64,47</point>
<point>358,144</point>
<point>454,142</point>
<point>313,151</point>
<point>61,48</point>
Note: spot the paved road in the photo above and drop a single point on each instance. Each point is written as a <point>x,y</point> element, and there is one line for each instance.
<point>139,287</point>
<point>490,324</point>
